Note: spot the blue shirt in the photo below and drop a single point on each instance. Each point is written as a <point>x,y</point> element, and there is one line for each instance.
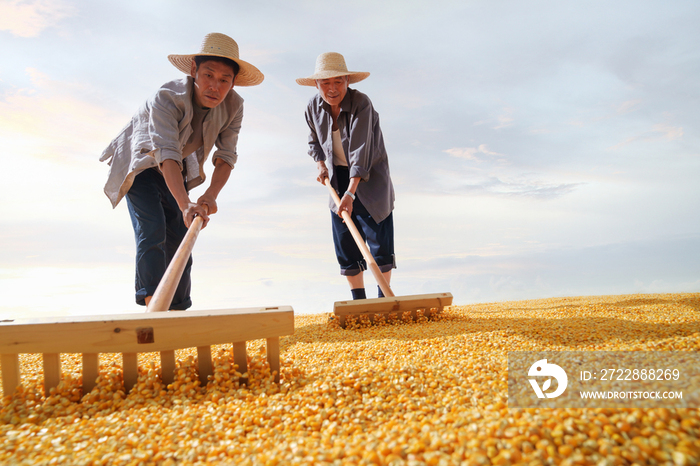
<point>363,144</point>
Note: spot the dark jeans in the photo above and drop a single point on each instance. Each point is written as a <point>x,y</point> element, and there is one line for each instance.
<point>158,229</point>
<point>378,236</point>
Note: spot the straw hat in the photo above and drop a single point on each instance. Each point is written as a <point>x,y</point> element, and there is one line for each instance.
<point>220,45</point>
<point>330,65</point>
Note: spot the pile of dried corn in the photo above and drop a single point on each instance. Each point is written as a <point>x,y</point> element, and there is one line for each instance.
<point>408,393</point>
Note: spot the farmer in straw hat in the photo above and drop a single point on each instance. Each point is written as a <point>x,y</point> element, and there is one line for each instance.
<point>159,156</point>
<point>347,144</point>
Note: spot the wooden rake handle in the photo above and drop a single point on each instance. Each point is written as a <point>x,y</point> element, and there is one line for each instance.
<point>163,296</point>
<point>371,263</point>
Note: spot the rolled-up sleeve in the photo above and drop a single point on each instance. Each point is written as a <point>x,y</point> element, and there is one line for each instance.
<point>227,141</point>
<point>164,130</point>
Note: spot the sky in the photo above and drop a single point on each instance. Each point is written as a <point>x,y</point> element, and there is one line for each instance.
<point>538,148</point>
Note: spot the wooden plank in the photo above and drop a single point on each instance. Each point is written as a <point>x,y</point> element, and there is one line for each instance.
<point>130,368</point>
<point>167,366</point>
<point>273,356</point>
<point>204,363</point>
<point>10,373</point>
<point>91,370</point>
<point>240,358</point>
<point>52,371</point>
<point>134,333</point>
<point>398,304</point>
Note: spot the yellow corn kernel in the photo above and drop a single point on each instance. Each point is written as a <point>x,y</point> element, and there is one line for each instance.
<point>397,390</point>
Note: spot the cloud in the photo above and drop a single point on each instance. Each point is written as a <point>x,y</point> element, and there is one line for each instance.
<point>59,118</point>
<point>622,76</point>
<point>669,132</point>
<point>261,55</point>
<point>623,108</point>
<point>503,120</point>
<point>500,181</point>
<point>409,100</point>
<point>521,187</point>
<point>469,153</point>
<point>658,132</point>
<point>628,106</point>
<point>30,18</point>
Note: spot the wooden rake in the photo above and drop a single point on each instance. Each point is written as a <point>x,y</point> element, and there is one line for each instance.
<point>389,304</point>
<point>161,300</point>
<point>153,331</point>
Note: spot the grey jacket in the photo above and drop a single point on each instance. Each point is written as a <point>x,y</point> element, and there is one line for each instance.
<point>160,130</point>
<point>363,144</point>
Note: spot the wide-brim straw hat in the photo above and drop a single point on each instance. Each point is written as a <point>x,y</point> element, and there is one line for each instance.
<point>330,65</point>
<point>220,45</point>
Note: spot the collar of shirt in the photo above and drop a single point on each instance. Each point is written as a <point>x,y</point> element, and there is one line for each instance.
<point>345,105</point>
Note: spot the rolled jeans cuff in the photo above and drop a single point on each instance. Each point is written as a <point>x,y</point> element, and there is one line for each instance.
<point>355,269</point>
<point>385,264</point>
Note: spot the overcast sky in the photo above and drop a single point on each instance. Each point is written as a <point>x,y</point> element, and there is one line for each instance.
<point>538,148</point>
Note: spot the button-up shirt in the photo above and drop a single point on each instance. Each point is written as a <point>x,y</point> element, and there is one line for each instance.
<point>161,129</point>
<point>363,144</point>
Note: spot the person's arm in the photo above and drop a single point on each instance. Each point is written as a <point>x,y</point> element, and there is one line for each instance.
<point>359,154</point>
<point>222,171</point>
<point>322,171</point>
<point>173,178</point>
<point>315,149</point>
<point>345,199</point>
<point>166,110</point>
<point>227,140</point>
<point>361,136</point>
<point>225,157</point>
